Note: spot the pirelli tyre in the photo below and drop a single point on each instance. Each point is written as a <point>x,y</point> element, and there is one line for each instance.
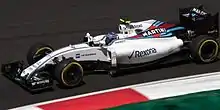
<point>204,49</point>
<point>38,51</point>
<point>68,73</point>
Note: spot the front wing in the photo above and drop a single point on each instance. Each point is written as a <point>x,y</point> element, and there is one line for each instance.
<point>38,82</point>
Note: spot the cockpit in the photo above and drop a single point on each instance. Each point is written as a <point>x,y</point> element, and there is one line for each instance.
<point>102,40</point>
<point>110,37</point>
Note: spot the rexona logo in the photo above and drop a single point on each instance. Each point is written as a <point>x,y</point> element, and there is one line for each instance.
<point>199,11</point>
<point>138,54</point>
<point>154,31</point>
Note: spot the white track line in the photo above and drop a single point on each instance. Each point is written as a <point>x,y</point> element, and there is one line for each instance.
<point>125,87</point>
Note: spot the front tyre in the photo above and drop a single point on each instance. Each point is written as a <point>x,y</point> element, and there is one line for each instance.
<point>38,51</point>
<point>69,73</point>
<point>204,49</point>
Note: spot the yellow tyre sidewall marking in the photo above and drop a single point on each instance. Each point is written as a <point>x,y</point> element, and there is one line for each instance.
<point>43,48</point>
<point>66,68</point>
<point>216,52</point>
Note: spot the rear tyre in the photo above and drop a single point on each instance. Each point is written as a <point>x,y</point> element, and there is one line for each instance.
<point>38,51</point>
<point>204,49</point>
<point>69,73</point>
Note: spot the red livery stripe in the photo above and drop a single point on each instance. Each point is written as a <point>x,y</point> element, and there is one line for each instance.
<point>166,25</point>
<point>137,36</point>
<point>152,27</point>
<point>156,35</point>
<point>99,101</point>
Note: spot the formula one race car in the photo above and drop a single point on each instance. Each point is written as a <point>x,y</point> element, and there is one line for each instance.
<point>194,38</point>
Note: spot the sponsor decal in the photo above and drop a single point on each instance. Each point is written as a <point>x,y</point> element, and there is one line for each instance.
<point>136,26</point>
<point>78,55</point>
<point>138,54</point>
<point>83,55</point>
<point>40,82</point>
<point>154,31</point>
<point>127,27</point>
<point>199,11</point>
<point>89,54</point>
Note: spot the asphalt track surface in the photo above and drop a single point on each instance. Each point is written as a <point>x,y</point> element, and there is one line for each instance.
<point>23,23</point>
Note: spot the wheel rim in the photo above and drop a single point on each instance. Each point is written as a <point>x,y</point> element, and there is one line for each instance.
<point>41,53</point>
<point>72,74</point>
<point>208,51</point>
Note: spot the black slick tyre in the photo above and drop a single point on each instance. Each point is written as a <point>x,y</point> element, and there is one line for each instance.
<point>68,73</point>
<point>38,51</point>
<point>204,49</point>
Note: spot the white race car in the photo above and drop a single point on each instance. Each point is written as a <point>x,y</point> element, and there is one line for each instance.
<point>137,44</point>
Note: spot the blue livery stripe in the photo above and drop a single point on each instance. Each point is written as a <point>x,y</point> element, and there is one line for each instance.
<point>174,29</point>
<point>168,34</point>
<point>164,33</point>
<point>155,23</point>
<point>159,24</point>
<point>193,15</point>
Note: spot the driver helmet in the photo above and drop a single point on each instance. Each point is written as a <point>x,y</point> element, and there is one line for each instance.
<point>110,37</point>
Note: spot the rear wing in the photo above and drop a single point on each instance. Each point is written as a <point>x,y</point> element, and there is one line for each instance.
<point>199,20</point>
